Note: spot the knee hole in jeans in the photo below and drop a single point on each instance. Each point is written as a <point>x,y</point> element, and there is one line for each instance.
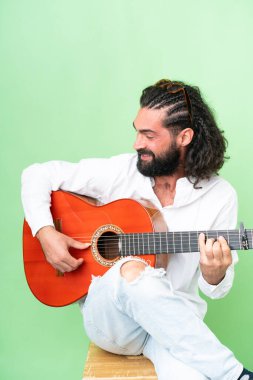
<point>132,270</point>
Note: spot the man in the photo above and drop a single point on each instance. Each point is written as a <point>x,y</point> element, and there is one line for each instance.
<point>134,308</point>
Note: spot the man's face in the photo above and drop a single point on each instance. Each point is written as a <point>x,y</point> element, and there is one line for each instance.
<point>158,152</point>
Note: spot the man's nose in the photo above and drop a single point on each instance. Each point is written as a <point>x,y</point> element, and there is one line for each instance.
<point>139,143</point>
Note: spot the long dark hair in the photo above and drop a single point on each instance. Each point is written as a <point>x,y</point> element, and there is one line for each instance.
<point>187,109</point>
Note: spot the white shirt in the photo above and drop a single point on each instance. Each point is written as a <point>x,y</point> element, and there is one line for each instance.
<point>213,206</point>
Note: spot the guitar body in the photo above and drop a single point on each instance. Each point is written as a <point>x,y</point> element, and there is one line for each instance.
<point>86,222</point>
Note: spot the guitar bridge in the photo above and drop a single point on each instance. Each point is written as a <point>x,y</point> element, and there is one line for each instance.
<point>58,227</point>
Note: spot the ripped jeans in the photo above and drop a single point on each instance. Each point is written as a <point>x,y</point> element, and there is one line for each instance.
<point>144,316</point>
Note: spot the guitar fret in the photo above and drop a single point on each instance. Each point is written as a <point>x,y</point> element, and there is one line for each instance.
<point>196,241</point>
<point>195,247</point>
<point>197,237</point>
<point>136,244</point>
<point>163,242</point>
<point>125,246</point>
<point>240,239</point>
<point>177,239</point>
<point>148,240</point>
<point>185,242</point>
<point>167,246</point>
<point>122,245</point>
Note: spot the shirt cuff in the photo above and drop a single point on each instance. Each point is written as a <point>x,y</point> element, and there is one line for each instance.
<point>220,290</point>
<point>36,222</point>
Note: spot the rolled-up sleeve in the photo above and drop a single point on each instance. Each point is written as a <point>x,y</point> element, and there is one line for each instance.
<point>91,177</point>
<point>220,290</point>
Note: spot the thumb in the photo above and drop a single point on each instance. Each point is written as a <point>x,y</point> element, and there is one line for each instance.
<point>78,244</point>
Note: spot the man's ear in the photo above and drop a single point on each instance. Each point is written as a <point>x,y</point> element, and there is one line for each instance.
<point>185,137</point>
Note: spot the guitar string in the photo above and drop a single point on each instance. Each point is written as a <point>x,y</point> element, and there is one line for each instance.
<point>155,236</point>
<point>130,245</point>
<point>180,235</point>
<point>145,246</point>
<point>232,232</point>
<point>125,253</point>
<point>154,241</point>
<point>160,238</point>
<point>235,232</point>
<point>115,250</point>
<point>141,241</point>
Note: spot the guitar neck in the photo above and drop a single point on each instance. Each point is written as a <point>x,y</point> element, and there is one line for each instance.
<point>180,242</point>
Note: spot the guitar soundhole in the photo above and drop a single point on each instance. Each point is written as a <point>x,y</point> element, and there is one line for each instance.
<point>105,244</point>
<point>108,245</point>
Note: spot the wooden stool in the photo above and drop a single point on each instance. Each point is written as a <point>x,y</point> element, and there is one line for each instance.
<point>105,366</point>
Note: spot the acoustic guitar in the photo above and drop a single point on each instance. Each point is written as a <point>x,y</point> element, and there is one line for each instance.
<point>118,229</point>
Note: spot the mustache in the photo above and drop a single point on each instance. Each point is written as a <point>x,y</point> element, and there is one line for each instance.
<point>145,151</point>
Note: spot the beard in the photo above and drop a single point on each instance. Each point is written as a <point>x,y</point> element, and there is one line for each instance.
<point>165,164</point>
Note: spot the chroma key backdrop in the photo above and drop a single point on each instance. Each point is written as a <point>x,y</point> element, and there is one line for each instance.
<point>71,76</point>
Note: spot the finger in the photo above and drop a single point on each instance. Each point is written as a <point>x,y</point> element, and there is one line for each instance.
<point>72,261</point>
<point>202,247</point>
<point>67,267</point>
<point>224,245</point>
<point>225,249</point>
<point>64,261</point>
<point>75,265</point>
<point>202,241</point>
<point>78,244</point>
<point>217,251</point>
<point>63,267</point>
<point>209,248</point>
<point>79,262</point>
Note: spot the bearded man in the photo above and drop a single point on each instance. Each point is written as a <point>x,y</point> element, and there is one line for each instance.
<point>134,308</point>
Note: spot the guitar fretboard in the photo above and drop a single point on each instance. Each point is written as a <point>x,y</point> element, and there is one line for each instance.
<point>178,242</point>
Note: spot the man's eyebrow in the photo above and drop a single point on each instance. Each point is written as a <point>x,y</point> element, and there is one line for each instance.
<point>144,130</point>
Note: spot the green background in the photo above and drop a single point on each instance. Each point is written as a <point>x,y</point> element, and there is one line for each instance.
<point>71,73</point>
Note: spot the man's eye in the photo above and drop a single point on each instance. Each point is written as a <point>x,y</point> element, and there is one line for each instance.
<point>149,137</point>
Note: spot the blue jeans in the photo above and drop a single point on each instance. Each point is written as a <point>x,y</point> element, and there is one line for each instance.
<point>145,316</point>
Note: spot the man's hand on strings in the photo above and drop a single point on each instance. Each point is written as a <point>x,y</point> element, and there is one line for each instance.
<point>56,246</point>
<point>215,258</point>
